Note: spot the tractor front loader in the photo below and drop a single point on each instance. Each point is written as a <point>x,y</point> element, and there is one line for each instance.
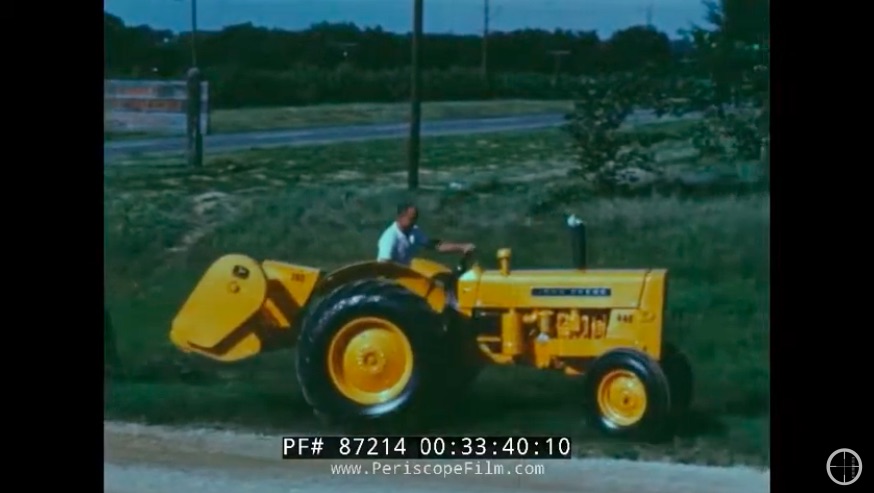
<point>378,340</point>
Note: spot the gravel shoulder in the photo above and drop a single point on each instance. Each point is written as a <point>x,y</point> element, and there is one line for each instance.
<point>140,458</point>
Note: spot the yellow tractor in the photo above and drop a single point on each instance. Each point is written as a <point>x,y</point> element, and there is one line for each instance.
<point>377,340</point>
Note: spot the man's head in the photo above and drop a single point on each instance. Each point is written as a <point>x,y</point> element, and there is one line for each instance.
<point>407,216</point>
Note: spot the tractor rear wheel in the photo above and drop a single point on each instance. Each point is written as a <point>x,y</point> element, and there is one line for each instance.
<point>366,353</point>
<point>678,371</point>
<point>627,394</point>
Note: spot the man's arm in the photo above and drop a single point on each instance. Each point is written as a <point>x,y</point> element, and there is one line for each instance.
<point>443,246</point>
<point>446,247</point>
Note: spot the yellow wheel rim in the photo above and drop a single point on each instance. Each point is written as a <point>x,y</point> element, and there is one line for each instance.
<point>622,398</point>
<point>370,360</point>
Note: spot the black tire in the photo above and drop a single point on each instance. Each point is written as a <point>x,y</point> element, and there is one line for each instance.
<point>462,359</point>
<point>678,371</point>
<point>369,298</point>
<point>647,373</point>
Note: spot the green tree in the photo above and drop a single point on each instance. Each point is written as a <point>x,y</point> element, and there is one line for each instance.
<point>725,75</point>
<point>734,54</point>
<point>732,51</point>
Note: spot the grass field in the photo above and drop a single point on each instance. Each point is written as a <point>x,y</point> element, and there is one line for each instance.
<point>326,205</point>
<point>254,119</point>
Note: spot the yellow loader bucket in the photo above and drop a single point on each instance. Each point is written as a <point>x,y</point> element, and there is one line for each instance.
<point>219,317</point>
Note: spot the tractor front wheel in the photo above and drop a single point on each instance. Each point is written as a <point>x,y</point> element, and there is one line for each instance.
<point>366,353</point>
<point>627,394</point>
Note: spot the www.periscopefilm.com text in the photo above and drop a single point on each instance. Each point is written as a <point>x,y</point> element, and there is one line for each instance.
<point>447,469</point>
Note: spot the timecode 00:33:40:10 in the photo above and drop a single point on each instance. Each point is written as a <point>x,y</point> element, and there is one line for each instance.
<point>520,447</point>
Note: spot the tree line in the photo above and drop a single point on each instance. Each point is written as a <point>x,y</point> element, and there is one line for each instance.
<point>141,50</point>
<point>255,66</point>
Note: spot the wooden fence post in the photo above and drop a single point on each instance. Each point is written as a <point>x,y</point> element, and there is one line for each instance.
<point>195,136</point>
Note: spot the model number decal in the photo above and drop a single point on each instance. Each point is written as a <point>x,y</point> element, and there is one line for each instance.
<point>570,291</point>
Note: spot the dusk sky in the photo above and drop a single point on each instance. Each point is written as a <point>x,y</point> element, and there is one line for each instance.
<point>458,16</point>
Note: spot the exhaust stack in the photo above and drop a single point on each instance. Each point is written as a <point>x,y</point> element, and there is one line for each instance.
<point>578,241</point>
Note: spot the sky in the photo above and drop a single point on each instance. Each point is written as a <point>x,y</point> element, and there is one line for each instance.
<point>446,16</point>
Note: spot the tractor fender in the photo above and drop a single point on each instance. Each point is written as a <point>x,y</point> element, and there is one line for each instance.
<point>419,278</point>
<point>429,268</point>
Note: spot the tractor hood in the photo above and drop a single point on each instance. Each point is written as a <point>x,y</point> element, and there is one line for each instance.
<point>559,288</point>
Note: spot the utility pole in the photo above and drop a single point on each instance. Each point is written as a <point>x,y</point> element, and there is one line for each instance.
<point>415,99</point>
<point>194,80</point>
<point>485,56</point>
<point>649,15</point>
<point>557,54</point>
<point>193,33</point>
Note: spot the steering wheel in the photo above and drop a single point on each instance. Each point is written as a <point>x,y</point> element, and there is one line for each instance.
<point>464,263</point>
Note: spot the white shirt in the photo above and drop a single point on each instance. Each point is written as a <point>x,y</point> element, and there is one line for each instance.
<point>398,247</point>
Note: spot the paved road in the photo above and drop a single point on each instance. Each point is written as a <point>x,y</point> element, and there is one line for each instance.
<point>283,138</point>
<point>145,459</point>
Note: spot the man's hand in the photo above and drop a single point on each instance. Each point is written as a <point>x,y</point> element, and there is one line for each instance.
<point>467,248</point>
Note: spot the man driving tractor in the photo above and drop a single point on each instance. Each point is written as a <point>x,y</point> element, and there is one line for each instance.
<point>403,239</point>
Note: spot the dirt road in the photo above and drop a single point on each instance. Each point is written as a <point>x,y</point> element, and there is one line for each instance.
<point>140,459</point>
